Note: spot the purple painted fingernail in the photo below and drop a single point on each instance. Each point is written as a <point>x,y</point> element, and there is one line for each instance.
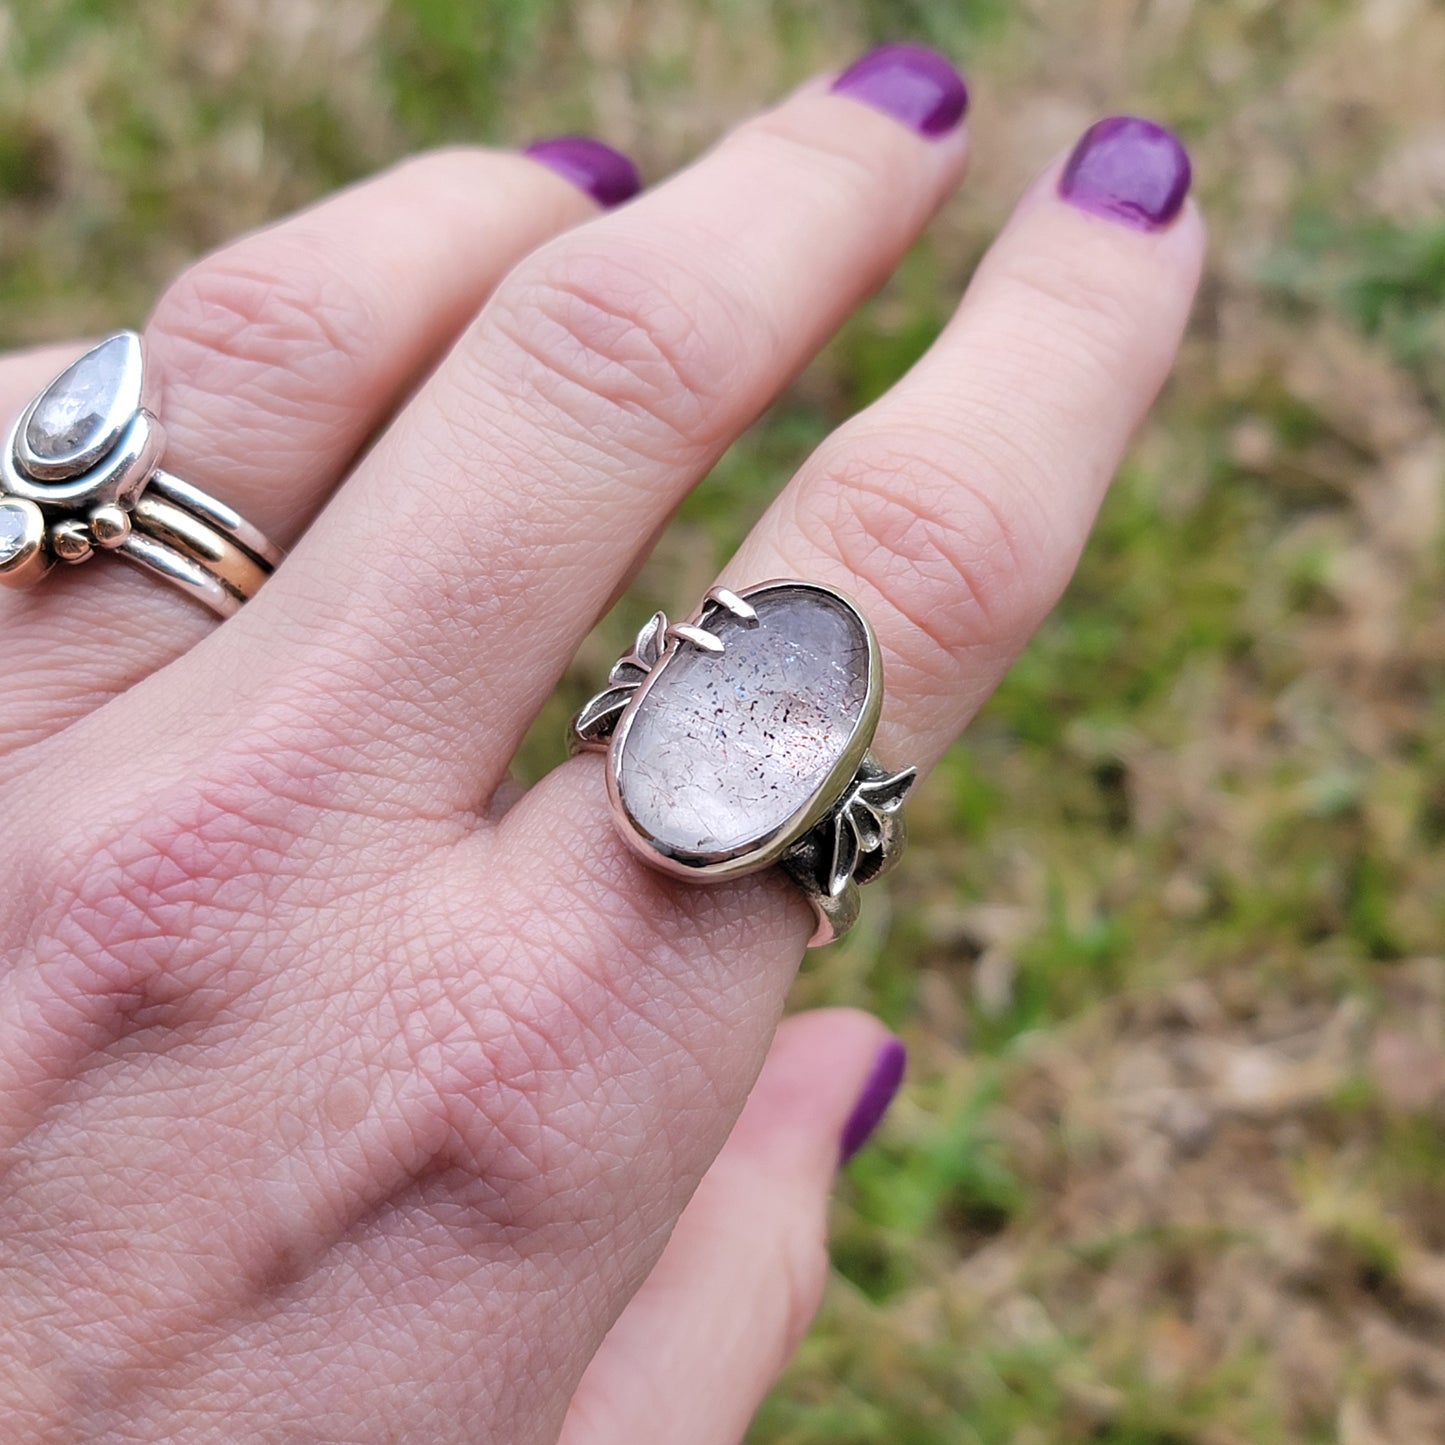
<point>909,82</point>
<point>605,174</point>
<point>1130,170</point>
<point>878,1093</point>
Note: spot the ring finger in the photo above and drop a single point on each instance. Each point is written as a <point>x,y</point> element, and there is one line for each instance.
<point>273,361</point>
<point>955,508</point>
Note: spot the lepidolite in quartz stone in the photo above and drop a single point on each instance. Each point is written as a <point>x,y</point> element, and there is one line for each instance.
<point>88,403</point>
<point>725,748</point>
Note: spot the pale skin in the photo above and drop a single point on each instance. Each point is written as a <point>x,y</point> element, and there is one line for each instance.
<point>339,1101</point>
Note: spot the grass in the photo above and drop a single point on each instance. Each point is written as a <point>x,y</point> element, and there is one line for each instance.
<point>1167,949</point>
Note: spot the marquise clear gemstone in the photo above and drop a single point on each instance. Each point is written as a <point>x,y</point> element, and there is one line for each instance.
<point>14,524</point>
<point>725,748</point>
<point>85,408</point>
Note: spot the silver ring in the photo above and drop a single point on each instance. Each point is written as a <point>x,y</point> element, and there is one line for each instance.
<point>80,475</point>
<point>740,738</point>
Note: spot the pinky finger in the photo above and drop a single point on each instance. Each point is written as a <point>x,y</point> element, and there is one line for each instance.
<point>703,1340</point>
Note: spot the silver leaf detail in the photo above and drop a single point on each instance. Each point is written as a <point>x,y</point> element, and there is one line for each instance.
<point>651,640</point>
<point>866,823</point>
<point>845,852</point>
<point>886,794</point>
<point>627,671</point>
<point>596,720</point>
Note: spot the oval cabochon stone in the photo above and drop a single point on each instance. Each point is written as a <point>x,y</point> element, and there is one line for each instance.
<point>724,748</point>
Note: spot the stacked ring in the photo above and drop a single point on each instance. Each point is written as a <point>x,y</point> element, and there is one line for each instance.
<point>79,475</point>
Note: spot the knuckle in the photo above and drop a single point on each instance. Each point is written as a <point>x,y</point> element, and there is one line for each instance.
<point>949,541</point>
<point>280,320</point>
<point>529,1086</point>
<point>450,164</point>
<point>538,1077</point>
<point>804,1281</point>
<point>828,164</point>
<point>507,178</point>
<point>1080,313</point>
<point>500,1108</point>
<point>173,900</point>
<point>623,333</point>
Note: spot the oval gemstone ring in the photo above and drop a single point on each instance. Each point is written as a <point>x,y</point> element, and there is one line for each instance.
<point>740,738</point>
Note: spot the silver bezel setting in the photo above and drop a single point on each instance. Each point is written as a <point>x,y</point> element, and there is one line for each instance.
<point>27,561</point>
<point>116,478</point>
<point>78,466</point>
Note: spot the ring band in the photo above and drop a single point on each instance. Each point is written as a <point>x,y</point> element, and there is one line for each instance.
<point>740,739</point>
<point>80,475</point>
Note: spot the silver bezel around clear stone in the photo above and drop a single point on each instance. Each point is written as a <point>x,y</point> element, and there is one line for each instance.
<point>110,464</point>
<point>23,558</point>
<point>769,845</point>
<point>121,398</point>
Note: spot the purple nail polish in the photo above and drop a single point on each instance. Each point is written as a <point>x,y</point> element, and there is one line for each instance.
<point>605,174</point>
<point>1128,169</point>
<point>909,82</point>
<point>878,1093</point>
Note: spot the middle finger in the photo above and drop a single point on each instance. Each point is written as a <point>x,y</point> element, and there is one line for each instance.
<point>272,361</point>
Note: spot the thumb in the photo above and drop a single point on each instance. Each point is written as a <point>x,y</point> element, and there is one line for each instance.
<point>700,1344</point>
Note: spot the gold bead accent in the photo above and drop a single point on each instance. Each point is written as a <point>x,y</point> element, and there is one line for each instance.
<point>110,525</point>
<point>70,540</point>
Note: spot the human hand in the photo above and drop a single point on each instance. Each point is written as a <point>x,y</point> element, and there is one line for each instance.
<point>338,1099</point>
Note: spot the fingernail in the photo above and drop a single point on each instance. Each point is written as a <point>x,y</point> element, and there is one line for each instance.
<point>605,174</point>
<point>1129,170</point>
<point>878,1093</point>
<point>909,82</point>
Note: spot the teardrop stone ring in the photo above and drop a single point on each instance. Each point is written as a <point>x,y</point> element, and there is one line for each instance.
<point>740,739</point>
<point>80,475</point>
